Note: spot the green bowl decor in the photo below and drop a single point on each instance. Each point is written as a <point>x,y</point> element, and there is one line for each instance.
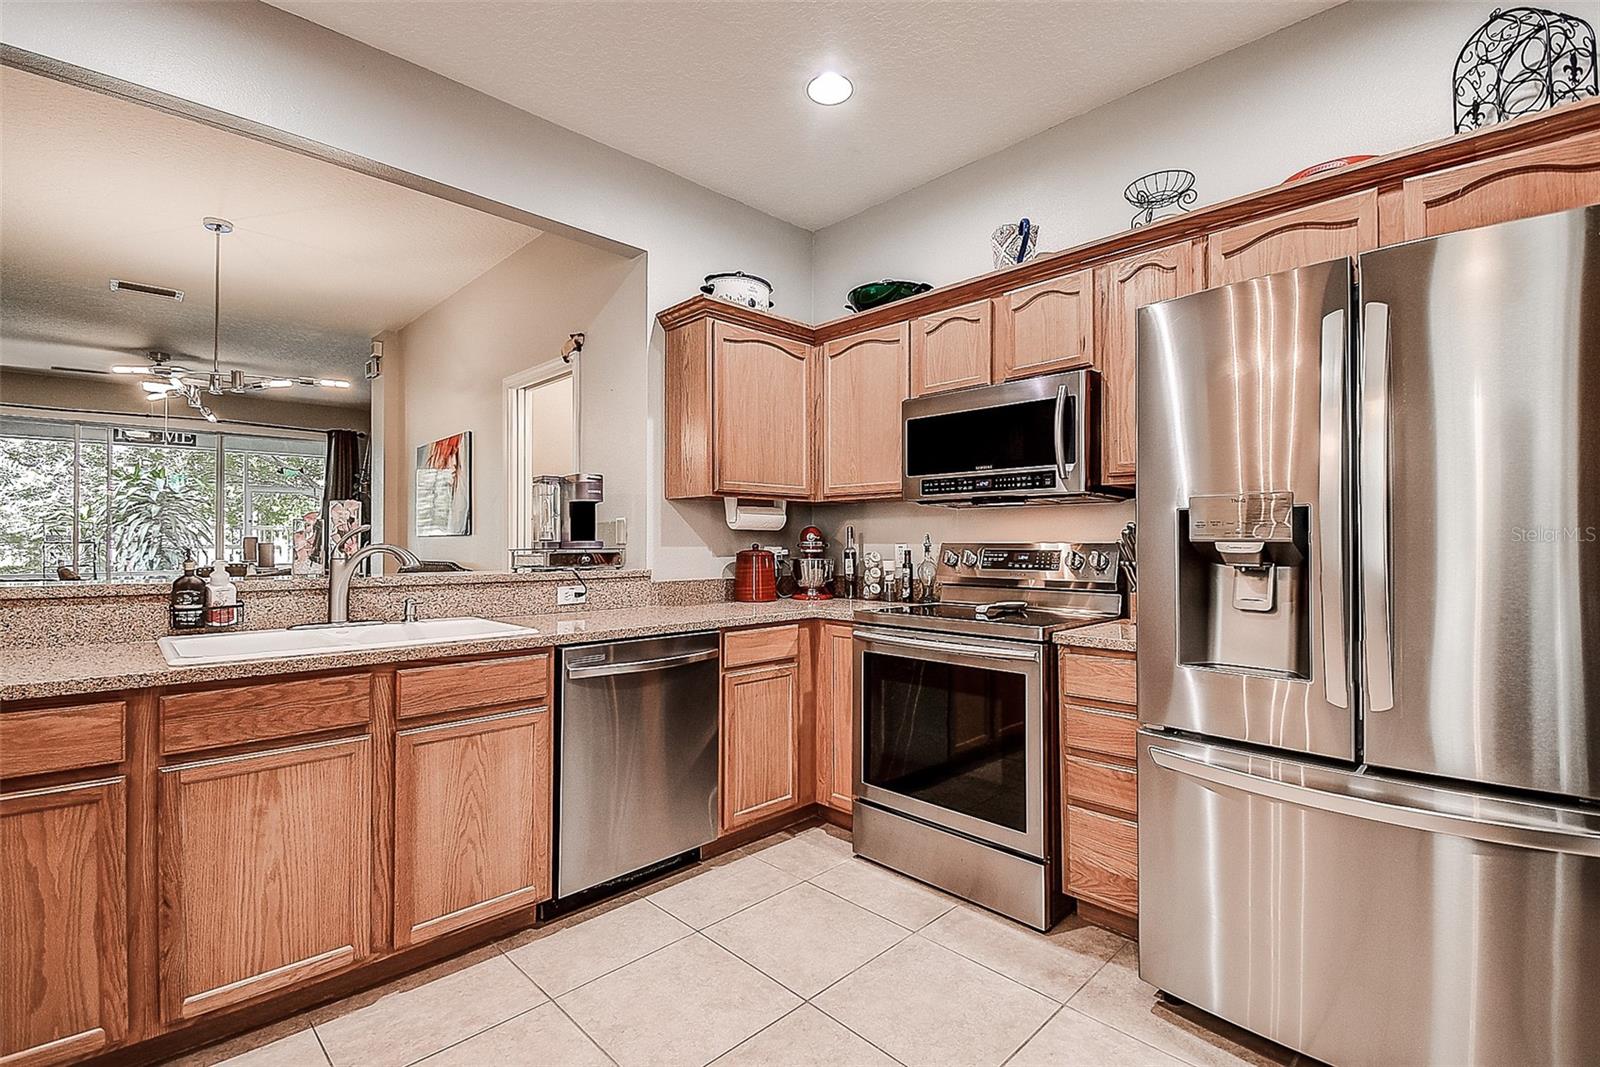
<point>874,294</point>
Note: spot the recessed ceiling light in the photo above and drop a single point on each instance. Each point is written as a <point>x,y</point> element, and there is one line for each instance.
<point>829,88</point>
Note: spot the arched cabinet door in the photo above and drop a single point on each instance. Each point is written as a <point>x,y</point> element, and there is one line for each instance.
<point>951,349</point>
<point>864,379</point>
<point>762,398</point>
<point>1125,286</point>
<point>1045,327</point>
<point>1517,185</point>
<point>1343,227</point>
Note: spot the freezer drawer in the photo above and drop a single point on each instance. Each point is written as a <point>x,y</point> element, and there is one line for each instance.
<point>1368,921</point>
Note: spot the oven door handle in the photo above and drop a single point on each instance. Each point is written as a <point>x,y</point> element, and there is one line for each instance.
<point>1064,469</point>
<point>1030,655</point>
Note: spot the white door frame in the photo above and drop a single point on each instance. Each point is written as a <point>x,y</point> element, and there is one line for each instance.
<point>519,490</point>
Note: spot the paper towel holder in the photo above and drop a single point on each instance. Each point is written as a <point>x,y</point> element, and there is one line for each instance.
<point>755,514</point>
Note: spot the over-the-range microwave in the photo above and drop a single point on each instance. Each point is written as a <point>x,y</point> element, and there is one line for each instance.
<point>1026,442</point>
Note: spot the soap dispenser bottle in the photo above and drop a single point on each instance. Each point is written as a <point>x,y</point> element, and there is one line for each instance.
<point>188,605</point>
<point>222,599</point>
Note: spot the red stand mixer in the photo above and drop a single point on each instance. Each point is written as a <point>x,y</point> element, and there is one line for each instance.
<point>813,569</point>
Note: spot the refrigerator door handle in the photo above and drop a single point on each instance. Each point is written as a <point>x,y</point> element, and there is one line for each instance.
<point>1550,837</point>
<point>1378,639</point>
<point>1330,508</point>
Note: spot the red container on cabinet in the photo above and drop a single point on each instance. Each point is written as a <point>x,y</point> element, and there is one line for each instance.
<point>755,576</point>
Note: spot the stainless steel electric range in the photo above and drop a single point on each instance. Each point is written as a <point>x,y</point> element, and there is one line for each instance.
<point>956,722</point>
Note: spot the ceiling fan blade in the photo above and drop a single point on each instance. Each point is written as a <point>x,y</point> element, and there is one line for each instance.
<point>80,370</point>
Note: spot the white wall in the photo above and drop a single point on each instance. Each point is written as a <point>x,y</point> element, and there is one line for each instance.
<point>456,356</point>
<point>269,67</point>
<point>1364,77</point>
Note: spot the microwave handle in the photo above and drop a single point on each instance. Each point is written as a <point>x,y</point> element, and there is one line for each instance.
<point>1064,469</point>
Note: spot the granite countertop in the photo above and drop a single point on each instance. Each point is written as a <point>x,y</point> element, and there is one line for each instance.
<point>69,670</point>
<point>1118,636</point>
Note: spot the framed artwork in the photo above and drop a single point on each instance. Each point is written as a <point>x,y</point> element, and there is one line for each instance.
<point>444,487</point>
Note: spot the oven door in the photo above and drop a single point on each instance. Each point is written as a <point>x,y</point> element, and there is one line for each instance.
<point>952,730</point>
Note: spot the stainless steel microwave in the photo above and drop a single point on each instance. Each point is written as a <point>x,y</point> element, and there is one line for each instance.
<point>1026,442</point>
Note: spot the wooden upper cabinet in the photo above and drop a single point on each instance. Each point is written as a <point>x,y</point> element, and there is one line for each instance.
<point>762,408</point>
<point>266,872</point>
<point>864,379</point>
<point>1517,185</point>
<point>471,822</point>
<point>951,349</point>
<point>1125,286</point>
<point>1045,327</point>
<point>760,743</point>
<point>63,922</point>
<point>836,717</point>
<point>1334,229</point>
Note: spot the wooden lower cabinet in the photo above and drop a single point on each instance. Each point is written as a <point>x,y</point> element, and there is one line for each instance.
<point>1099,779</point>
<point>63,922</point>
<point>1103,861</point>
<point>760,750</point>
<point>265,872</point>
<point>472,821</point>
<point>836,717</point>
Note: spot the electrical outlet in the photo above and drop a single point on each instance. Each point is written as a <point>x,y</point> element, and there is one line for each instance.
<point>571,594</point>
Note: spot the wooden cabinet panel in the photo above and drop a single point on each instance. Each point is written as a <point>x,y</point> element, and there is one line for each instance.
<point>688,470</point>
<point>760,753</point>
<point>1346,226</point>
<point>471,822</point>
<point>1099,675</point>
<point>1110,733</point>
<point>864,379</point>
<point>486,683</point>
<point>265,872</point>
<point>63,922</point>
<point>766,644</point>
<point>763,412</point>
<point>1124,287</point>
<point>1097,784</point>
<point>213,718</point>
<point>836,718</point>
<point>1516,185</point>
<point>1045,327</point>
<point>951,349</point>
<point>61,739</point>
<point>1103,864</point>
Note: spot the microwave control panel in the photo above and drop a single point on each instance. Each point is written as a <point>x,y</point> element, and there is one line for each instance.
<point>969,484</point>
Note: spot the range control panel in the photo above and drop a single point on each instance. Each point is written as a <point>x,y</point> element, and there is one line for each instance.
<point>1019,559</point>
<point>1071,563</point>
<point>971,484</point>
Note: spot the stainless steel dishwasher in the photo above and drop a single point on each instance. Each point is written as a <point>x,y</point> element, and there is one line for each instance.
<point>637,756</point>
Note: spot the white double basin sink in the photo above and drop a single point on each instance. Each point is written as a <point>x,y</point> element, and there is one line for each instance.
<point>198,649</point>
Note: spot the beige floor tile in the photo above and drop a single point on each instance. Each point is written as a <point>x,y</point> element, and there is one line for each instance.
<point>895,897</point>
<point>805,1038</point>
<point>290,1034</point>
<point>717,893</point>
<point>543,1037</point>
<point>804,855</point>
<point>1055,964</point>
<point>805,938</point>
<point>570,957</point>
<point>923,1004</point>
<point>404,1025</point>
<point>685,1004</point>
<point>1117,997</point>
<point>1072,1039</point>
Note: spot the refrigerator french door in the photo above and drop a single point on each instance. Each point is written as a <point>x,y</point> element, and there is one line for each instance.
<point>1428,892</point>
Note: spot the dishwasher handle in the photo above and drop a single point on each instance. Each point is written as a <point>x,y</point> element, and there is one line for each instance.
<point>663,663</point>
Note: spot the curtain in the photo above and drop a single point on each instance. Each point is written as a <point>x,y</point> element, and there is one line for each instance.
<point>347,477</point>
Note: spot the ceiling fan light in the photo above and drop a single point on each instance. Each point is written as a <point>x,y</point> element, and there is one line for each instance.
<point>158,388</point>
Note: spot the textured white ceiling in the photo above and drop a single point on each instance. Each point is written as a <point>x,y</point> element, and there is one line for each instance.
<point>321,259</point>
<point>714,91</point>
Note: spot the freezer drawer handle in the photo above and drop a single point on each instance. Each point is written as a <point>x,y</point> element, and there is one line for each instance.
<point>641,666</point>
<point>1564,840</point>
<point>1378,640</point>
<point>1330,508</point>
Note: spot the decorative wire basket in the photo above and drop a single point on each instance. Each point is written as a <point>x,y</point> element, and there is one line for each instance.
<point>1154,193</point>
<point>1523,60</point>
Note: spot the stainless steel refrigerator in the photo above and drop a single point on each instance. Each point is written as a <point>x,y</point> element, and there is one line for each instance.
<point>1369,650</point>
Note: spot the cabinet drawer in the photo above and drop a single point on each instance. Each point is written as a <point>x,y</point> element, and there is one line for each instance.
<point>517,681</point>
<point>61,739</point>
<point>742,648</point>
<point>1102,785</point>
<point>1099,676</point>
<point>1103,860</point>
<point>1110,733</point>
<point>212,718</point>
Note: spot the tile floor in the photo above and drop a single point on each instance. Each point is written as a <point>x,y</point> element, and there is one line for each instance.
<point>787,952</point>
